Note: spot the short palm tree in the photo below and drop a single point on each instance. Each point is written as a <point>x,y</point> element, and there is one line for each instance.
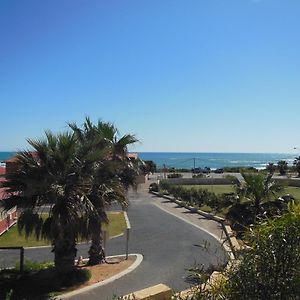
<point>297,165</point>
<point>53,176</point>
<point>258,188</point>
<point>282,167</point>
<point>271,168</point>
<point>112,174</point>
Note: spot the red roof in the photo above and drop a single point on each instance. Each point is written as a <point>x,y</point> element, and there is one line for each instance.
<point>14,158</point>
<point>132,155</point>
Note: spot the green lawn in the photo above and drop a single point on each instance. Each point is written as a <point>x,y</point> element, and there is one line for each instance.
<point>12,238</point>
<point>295,191</point>
<point>217,188</point>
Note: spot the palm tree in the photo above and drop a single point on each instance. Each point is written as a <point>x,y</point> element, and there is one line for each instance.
<point>282,166</point>
<point>113,173</point>
<point>297,165</point>
<point>52,175</point>
<point>258,188</point>
<point>271,168</point>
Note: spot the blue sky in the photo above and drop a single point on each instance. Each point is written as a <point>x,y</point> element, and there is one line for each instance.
<point>202,75</point>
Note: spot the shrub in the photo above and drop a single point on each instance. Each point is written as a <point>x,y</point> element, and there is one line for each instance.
<point>164,185</point>
<point>198,175</point>
<point>153,187</point>
<point>34,266</point>
<point>77,276</point>
<point>271,269</point>
<point>174,175</point>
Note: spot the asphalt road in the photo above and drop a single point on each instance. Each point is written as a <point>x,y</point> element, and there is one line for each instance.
<point>166,242</point>
<point>168,246</point>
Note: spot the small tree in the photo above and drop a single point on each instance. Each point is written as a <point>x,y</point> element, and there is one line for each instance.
<point>270,167</point>
<point>150,166</point>
<point>282,167</point>
<point>297,165</point>
<point>258,188</point>
<point>271,269</point>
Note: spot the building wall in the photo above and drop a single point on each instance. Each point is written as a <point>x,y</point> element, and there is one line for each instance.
<point>7,220</point>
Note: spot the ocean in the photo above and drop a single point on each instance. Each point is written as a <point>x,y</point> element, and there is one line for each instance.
<point>216,160</point>
<point>211,160</point>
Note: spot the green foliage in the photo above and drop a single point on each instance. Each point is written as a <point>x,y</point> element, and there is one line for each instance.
<point>271,269</point>
<point>271,168</point>
<point>78,173</point>
<point>174,175</point>
<point>240,170</point>
<point>33,266</point>
<point>149,166</point>
<point>164,185</point>
<point>282,167</point>
<point>200,175</point>
<point>257,188</point>
<point>297,165</point>
<point>76,277</point>
<point>153,187</point>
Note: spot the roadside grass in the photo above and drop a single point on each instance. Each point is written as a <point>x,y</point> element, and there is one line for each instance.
<point>12,238</point>
<point>295,191</point>
<point>218,189</point>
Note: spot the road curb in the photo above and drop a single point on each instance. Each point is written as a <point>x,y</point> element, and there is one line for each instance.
<point>138,261</point>
<point>229,250</point>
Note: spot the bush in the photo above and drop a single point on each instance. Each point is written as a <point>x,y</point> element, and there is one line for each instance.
<point>174,175</point>
<point>78,276</point>
<point>164,185</point>
<point>198,175</point>
<point>153,187</point>
<point>34,266</point>
<point>271,269</point>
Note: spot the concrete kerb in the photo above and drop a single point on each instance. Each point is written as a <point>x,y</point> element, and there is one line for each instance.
<point>138,261</point>
<point>231,250</point>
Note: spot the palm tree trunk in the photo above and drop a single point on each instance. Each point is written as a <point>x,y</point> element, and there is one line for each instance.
<point>64,255</point>
<point>256,207</point>
<point>96,251</point>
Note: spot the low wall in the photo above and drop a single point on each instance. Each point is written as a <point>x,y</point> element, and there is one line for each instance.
<point>198,181</point>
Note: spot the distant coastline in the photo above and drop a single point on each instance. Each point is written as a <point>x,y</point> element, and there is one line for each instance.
<point>215,160</point>
<point>205,159</point>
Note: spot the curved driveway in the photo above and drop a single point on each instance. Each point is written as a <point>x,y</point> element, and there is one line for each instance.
<point>166,242</point>
<point>168,246</point>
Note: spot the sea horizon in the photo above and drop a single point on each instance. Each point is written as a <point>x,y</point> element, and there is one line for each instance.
<point>212,160</point>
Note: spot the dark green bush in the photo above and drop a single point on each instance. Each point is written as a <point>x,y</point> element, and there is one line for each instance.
<point>153,187</point>
<point>78,276</point>
<point>174,175</point>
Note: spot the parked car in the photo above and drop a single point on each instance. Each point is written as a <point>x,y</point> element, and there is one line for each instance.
<point>206,170</point>
<point>197,170</point>
<point>219,171</point>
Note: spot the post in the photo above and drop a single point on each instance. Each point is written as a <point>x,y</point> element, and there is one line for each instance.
<point>128,227</point>
<point>127,242</point>
<point>104,238</point>
<point>21,259</point>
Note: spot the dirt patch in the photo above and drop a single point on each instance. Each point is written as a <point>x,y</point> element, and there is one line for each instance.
<point>107,270</point>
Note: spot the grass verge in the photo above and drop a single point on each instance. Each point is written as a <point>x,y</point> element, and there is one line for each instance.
<point>12,238</point>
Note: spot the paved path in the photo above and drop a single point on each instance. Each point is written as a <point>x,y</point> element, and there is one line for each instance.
<point>166,242</point>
